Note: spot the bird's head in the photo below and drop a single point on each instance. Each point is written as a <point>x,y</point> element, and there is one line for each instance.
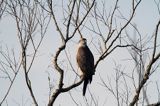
<point>82,42</point>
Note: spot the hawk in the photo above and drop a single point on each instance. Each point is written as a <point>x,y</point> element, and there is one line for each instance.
<point>85,62</point>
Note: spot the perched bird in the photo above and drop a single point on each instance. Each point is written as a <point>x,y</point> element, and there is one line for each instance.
<point>85,62</point>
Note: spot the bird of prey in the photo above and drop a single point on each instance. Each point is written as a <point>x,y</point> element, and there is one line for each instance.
<point>85,62</point>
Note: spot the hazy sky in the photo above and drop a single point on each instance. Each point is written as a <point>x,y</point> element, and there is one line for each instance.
<point>145,18</point>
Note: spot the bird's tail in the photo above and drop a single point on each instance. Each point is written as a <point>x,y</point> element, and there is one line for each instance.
<point>85,86</point>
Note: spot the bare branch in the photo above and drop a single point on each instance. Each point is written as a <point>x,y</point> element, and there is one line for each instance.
<point>60,88</point>
<point>147,71</point>
<point>119,32</point>
<point>54,19</point>
<point>2,8</point>
<point>154,104</point>
<point>155,39</point>
<point>29,17</point>
<point>69,20</point>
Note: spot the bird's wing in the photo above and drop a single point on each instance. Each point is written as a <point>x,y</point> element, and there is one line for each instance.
<point>85,60</point>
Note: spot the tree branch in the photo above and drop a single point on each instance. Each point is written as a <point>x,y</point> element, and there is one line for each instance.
<point>147,71</point>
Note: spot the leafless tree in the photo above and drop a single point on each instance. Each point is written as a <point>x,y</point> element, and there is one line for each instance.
<point>2,8</point>
<point>31,23</point>
<point>10,67</point>
<point>146,60</point>
<point>107,28</point>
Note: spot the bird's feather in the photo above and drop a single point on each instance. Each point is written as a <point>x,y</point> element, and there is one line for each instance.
<point>85,86</point>
<point>85,62</point>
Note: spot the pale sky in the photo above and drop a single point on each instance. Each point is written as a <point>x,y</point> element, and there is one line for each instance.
<point>145,18</point>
